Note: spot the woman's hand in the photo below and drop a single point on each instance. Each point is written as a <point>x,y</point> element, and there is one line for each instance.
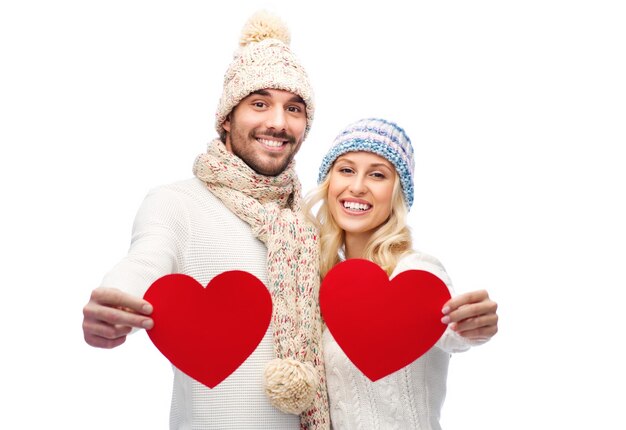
<point>472,315</point>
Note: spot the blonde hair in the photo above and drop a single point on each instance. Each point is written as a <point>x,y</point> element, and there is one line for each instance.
<point>387,245</point>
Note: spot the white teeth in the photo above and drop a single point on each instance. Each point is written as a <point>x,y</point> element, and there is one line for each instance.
<point>272,143</point>
<point>356,206</point>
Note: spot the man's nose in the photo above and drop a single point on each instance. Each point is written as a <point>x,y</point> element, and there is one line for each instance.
<point>276,118</point>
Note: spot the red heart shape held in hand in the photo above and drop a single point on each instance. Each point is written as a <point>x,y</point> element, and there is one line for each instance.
<point>382,325</point>
<point>208,332</point>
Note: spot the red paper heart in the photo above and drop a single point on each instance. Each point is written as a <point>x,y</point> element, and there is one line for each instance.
<point>382,325</point>
<point>208,332</point>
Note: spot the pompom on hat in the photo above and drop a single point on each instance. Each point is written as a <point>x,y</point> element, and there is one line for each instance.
<point>381,137</point>
<point>263,61</point>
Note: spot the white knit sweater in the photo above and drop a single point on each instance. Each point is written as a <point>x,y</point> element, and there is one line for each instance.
<point>410,398</point>
<point>183,228</point>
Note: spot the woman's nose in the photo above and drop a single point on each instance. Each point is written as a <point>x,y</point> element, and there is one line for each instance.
<point>357,186</point>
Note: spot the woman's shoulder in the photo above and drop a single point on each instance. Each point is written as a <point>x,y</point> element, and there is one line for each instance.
<point>416,260</point>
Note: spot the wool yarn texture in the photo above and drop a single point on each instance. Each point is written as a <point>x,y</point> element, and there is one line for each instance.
<point>263,60</point>
<point>381,137</point>
<point>271,205</point>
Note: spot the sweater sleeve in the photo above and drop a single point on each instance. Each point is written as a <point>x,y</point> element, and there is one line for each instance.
<point>159,235</point>
<point>451,341</point>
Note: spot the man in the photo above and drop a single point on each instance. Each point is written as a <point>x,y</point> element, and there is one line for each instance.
<point>240,212</point>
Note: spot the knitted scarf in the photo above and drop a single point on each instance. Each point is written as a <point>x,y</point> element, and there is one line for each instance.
<point>271,205</point>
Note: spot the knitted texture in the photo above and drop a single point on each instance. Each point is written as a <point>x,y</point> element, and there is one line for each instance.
<point>271,205</point>
<point>291,383</point>
<point>183,228</point>
<point>263,61</point>
<point>380,137</point>
<point>410,398</point>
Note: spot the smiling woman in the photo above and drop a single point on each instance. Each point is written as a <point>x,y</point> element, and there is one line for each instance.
<point>517,109</point>
<point>366,190</point>
<point>360,194</point>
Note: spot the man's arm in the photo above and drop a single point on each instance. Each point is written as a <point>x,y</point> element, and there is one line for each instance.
<point>112,313</point>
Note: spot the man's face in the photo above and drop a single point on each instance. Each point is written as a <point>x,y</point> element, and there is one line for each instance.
<point>266,130</point>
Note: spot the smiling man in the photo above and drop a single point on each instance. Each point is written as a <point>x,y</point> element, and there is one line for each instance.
<point>241,211</point>
<point>266,130</point>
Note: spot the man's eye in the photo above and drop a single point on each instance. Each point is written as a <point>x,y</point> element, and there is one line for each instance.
<point>294,109</point>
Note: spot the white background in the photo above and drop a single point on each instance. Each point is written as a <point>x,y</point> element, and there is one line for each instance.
<point>517,113</point>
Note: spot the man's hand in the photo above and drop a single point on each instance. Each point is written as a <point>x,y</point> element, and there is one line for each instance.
<point>472,315</point>
<point>111,314</point>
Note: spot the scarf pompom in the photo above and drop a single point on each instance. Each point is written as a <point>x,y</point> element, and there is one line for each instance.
<point>291,385</point>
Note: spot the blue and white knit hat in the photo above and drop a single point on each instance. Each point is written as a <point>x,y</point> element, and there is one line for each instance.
<point>381,137</point>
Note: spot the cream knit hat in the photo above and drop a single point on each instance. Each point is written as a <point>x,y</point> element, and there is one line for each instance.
<point>262,61</point>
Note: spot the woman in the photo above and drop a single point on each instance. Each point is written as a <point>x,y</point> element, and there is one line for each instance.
<point>365,190</point>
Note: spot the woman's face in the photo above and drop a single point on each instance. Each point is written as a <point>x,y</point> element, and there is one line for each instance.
<point>360,191</point>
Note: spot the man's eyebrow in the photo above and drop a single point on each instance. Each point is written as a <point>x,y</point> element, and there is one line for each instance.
<point>261,93</point>
<point>294,99</point>
<point>297,99</point>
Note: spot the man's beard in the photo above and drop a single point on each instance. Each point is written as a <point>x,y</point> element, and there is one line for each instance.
<point>242,148</point>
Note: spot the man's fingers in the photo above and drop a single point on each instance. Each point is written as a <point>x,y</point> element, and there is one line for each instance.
<point>114,316</point>
<point>119,299</point>
<point>103,330</point>
<point>101,342</point>
<point>111,314</point>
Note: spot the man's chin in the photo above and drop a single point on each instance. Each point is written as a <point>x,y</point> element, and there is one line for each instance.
<point>268,169</point>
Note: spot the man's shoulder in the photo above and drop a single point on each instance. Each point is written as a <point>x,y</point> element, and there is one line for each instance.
<point>182,186</point>
<point>189,195</point>
<point>190,188</point>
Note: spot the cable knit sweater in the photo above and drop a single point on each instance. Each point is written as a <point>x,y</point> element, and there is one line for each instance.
<point>410,398</point>
<point>183,228</point>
